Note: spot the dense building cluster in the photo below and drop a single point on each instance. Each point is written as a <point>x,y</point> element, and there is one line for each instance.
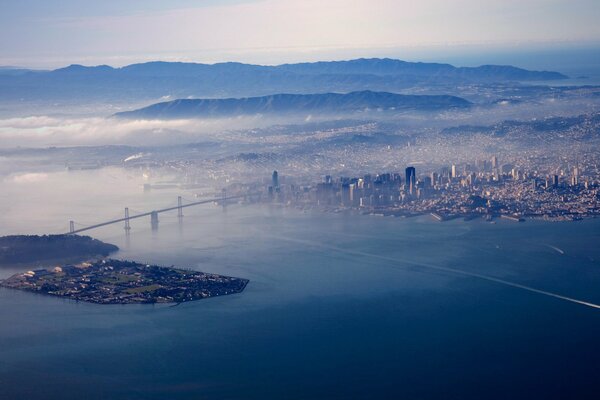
<point>485,188</point>
<point>125,282</point>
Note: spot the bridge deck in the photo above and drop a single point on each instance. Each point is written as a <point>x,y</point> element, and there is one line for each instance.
<point>114,221</point>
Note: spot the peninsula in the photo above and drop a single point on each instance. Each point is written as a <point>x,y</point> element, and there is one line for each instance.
<point>20,249</point>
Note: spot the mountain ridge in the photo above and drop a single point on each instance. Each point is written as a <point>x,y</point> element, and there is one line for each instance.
<point>372,66</point>
<point>153,80</point>
<point>295,103</point>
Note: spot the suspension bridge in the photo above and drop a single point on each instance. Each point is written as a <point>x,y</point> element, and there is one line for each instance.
<point>152,214</point>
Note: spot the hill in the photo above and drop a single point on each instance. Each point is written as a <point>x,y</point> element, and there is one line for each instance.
<point>322,103</point>
<point>32,249</point>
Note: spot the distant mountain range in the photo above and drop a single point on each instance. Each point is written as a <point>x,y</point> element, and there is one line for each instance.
<point>180,80</point>
<point>323,103</point>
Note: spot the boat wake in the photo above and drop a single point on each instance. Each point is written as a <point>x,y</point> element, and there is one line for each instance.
<point>404,264</point>
<point>554,248</point>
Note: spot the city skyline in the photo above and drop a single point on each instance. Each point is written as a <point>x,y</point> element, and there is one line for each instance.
<point>299,199</point>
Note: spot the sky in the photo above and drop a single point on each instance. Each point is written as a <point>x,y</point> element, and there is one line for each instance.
<point>54,33</point>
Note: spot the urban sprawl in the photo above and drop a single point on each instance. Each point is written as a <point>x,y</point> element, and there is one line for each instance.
<point>484,189</point>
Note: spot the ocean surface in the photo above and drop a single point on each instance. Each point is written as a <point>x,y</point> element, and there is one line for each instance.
<point>338,306</point>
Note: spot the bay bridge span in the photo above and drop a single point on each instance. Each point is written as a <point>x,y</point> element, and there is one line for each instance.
<point>153,214</point>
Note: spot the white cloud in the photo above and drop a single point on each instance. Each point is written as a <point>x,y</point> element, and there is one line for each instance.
<point>30,177</point>
<point>46,131</point>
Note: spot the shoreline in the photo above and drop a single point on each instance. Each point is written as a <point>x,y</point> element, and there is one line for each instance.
<point>447,217</point>
<point>112,282</point>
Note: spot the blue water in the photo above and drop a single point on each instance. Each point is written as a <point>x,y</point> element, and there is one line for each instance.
<point>320,322</point>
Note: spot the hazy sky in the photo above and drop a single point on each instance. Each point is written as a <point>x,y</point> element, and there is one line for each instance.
<point>48,33</point>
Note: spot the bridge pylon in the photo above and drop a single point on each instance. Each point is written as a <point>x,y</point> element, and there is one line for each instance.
<point>154,220</point>
<point>71,226</point>
<point>179,207</point>
<point>127,226</point>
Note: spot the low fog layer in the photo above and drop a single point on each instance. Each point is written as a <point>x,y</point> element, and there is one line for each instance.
<point>43,131</point>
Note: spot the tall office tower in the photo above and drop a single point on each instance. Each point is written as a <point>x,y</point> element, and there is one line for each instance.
<point>434,178</point>
<point>471,178</point>
<point>487,166</point>
<point>384,178</point>
<point>515,174</point>
<point>352,193</point>
<point>275,180</point>
<point>427,182</point>
<point>345,194</point>
<point>555,181</point>
<point>454,171</point>
<point>325,193</point>
<point>494,162</point>
<point>411,178</point>
<point>575,179</point>
<point>328,179</point>
<point>445,172</point>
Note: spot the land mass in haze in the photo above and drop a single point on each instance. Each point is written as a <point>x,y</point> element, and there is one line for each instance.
<point>19,249</point>
<point>179,80</point>
<point>125,282</point>
<point>322,103</point>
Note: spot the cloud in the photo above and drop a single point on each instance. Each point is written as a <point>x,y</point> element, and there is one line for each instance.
<point>44,131</point>
<point>30,177</point>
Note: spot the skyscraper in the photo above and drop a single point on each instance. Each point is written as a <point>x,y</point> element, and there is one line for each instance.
<point>345,199</point>
<point>275,180</point>
<point>494,162</point>
<point>410,178</point>
<point>352,194</point>
<point>434,178</point>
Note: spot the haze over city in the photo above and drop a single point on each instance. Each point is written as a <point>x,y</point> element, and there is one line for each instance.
<point>255,199</point>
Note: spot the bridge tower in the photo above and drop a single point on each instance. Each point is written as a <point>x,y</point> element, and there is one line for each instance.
<point>179,207</point>
<point>127,226</point>
<point>154,219</point>
<point>71,226</point>
<point>223,197</point>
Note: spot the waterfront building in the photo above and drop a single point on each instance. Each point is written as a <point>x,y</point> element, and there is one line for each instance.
<point>345,200</point>
<point>352,193</point>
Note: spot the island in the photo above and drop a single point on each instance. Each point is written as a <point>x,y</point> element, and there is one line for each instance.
<point>46,249</point>
<point>110,281</point>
